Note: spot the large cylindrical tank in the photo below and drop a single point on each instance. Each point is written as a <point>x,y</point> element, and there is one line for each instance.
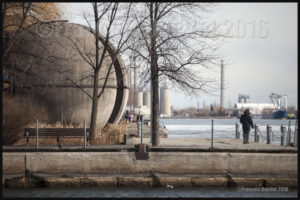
<point>61,69</point>
<point>146,99</point>
<point>165,103</point>
<point>247,100</point>
<point>139,99</point>
<point>242,100</point>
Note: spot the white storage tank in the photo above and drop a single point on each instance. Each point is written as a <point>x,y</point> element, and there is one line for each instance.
<point>139,99</point>
<point>146,99</point>
<point>165,102</point>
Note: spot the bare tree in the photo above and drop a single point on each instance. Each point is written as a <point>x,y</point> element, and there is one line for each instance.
<point>116,24</point>
<point>20,19</point>
<point>174,49</point>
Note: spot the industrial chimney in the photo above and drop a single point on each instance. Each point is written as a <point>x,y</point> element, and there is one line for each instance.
<point>222,100</point>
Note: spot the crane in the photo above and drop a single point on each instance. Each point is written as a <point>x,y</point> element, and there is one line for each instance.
<point>276,100</point>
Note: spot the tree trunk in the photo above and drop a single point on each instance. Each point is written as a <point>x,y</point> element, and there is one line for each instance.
<point>154,77</point>
<point>155,106</point>
<point>94,107</point>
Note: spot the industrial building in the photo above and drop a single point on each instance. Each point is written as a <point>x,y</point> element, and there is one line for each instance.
<point>255,108</point>
<point>244,98</point>
<point>140,101</point>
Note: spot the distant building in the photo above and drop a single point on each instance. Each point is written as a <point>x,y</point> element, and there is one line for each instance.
<point>244,98</point>
<point>255,108</point>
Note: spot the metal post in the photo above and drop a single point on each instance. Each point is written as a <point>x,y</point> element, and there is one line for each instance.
<point>269,129</point>
<point>27,138</point>
<point>37,134</point>
<point>282,128</point>
<point>258,138</point>
<point>237,130</point>
<point>212,133</point>
<point>84,133</point>
<point>142,122</point>
<point>296,134</point>
<point>288,139</point>
<point>255,133</point>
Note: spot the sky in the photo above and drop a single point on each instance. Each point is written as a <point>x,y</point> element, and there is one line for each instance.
<point>261,59</point>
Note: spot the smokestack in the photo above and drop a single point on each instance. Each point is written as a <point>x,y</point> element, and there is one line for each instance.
<point>222,100</point>
<point>135,83</point>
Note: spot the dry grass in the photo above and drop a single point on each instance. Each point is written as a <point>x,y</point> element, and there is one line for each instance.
<point>18,113</point>
<point>111,134</point>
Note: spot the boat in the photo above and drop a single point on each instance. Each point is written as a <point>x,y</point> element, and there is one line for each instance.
<point>280,114</point>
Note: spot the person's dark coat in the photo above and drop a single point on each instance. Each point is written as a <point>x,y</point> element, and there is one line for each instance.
<point>246,121</point>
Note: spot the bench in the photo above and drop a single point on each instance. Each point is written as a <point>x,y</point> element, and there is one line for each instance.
<point>55,132</point>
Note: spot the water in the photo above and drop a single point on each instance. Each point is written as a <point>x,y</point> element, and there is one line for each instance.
<point>156,192</point>
<point>223,128</point>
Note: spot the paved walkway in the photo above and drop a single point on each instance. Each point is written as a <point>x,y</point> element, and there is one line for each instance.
<point>206,143</point>
<point>199,142</point>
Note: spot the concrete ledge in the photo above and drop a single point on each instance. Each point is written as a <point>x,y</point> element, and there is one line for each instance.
<point>148,181</point>
<point>162,168</point>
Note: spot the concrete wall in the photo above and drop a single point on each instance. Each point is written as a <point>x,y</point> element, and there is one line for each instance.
<point>189,168</point>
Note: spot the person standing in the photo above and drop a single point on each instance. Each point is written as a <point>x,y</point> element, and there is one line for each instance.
<point>246,121</point>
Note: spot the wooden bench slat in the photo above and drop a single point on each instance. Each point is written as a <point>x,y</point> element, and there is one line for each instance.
<point>55,132</point>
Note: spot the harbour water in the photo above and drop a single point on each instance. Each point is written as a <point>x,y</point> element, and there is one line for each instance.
<point>156,192</point>
<point>223,128</point>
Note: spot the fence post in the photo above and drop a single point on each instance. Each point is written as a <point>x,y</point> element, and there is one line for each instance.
<point>269,129</point>
<point>142,122</point>
<point>258,138</point>
<point>255,133</point>
<point>288,139</point>
<point>296,134</point>
<point>84,133</point>
<point>282,128</point>
<point>237,130</point>
<point>212,133</point>
<point>27,139</point>
<point>37,134</point>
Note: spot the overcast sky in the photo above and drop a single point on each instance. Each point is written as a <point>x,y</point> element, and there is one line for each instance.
<point>262,59</point>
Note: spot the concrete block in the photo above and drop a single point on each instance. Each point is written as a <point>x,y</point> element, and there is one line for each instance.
<point>263,163</point>
<point>208,182</point>
<point>85,163</point>
<point>81,181</point>
<point>175,181</point>
<point>13,163</point>
<point>248,182</point>
<point>282,182</point>
<point>189,162</point>
<point>135,181</point>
